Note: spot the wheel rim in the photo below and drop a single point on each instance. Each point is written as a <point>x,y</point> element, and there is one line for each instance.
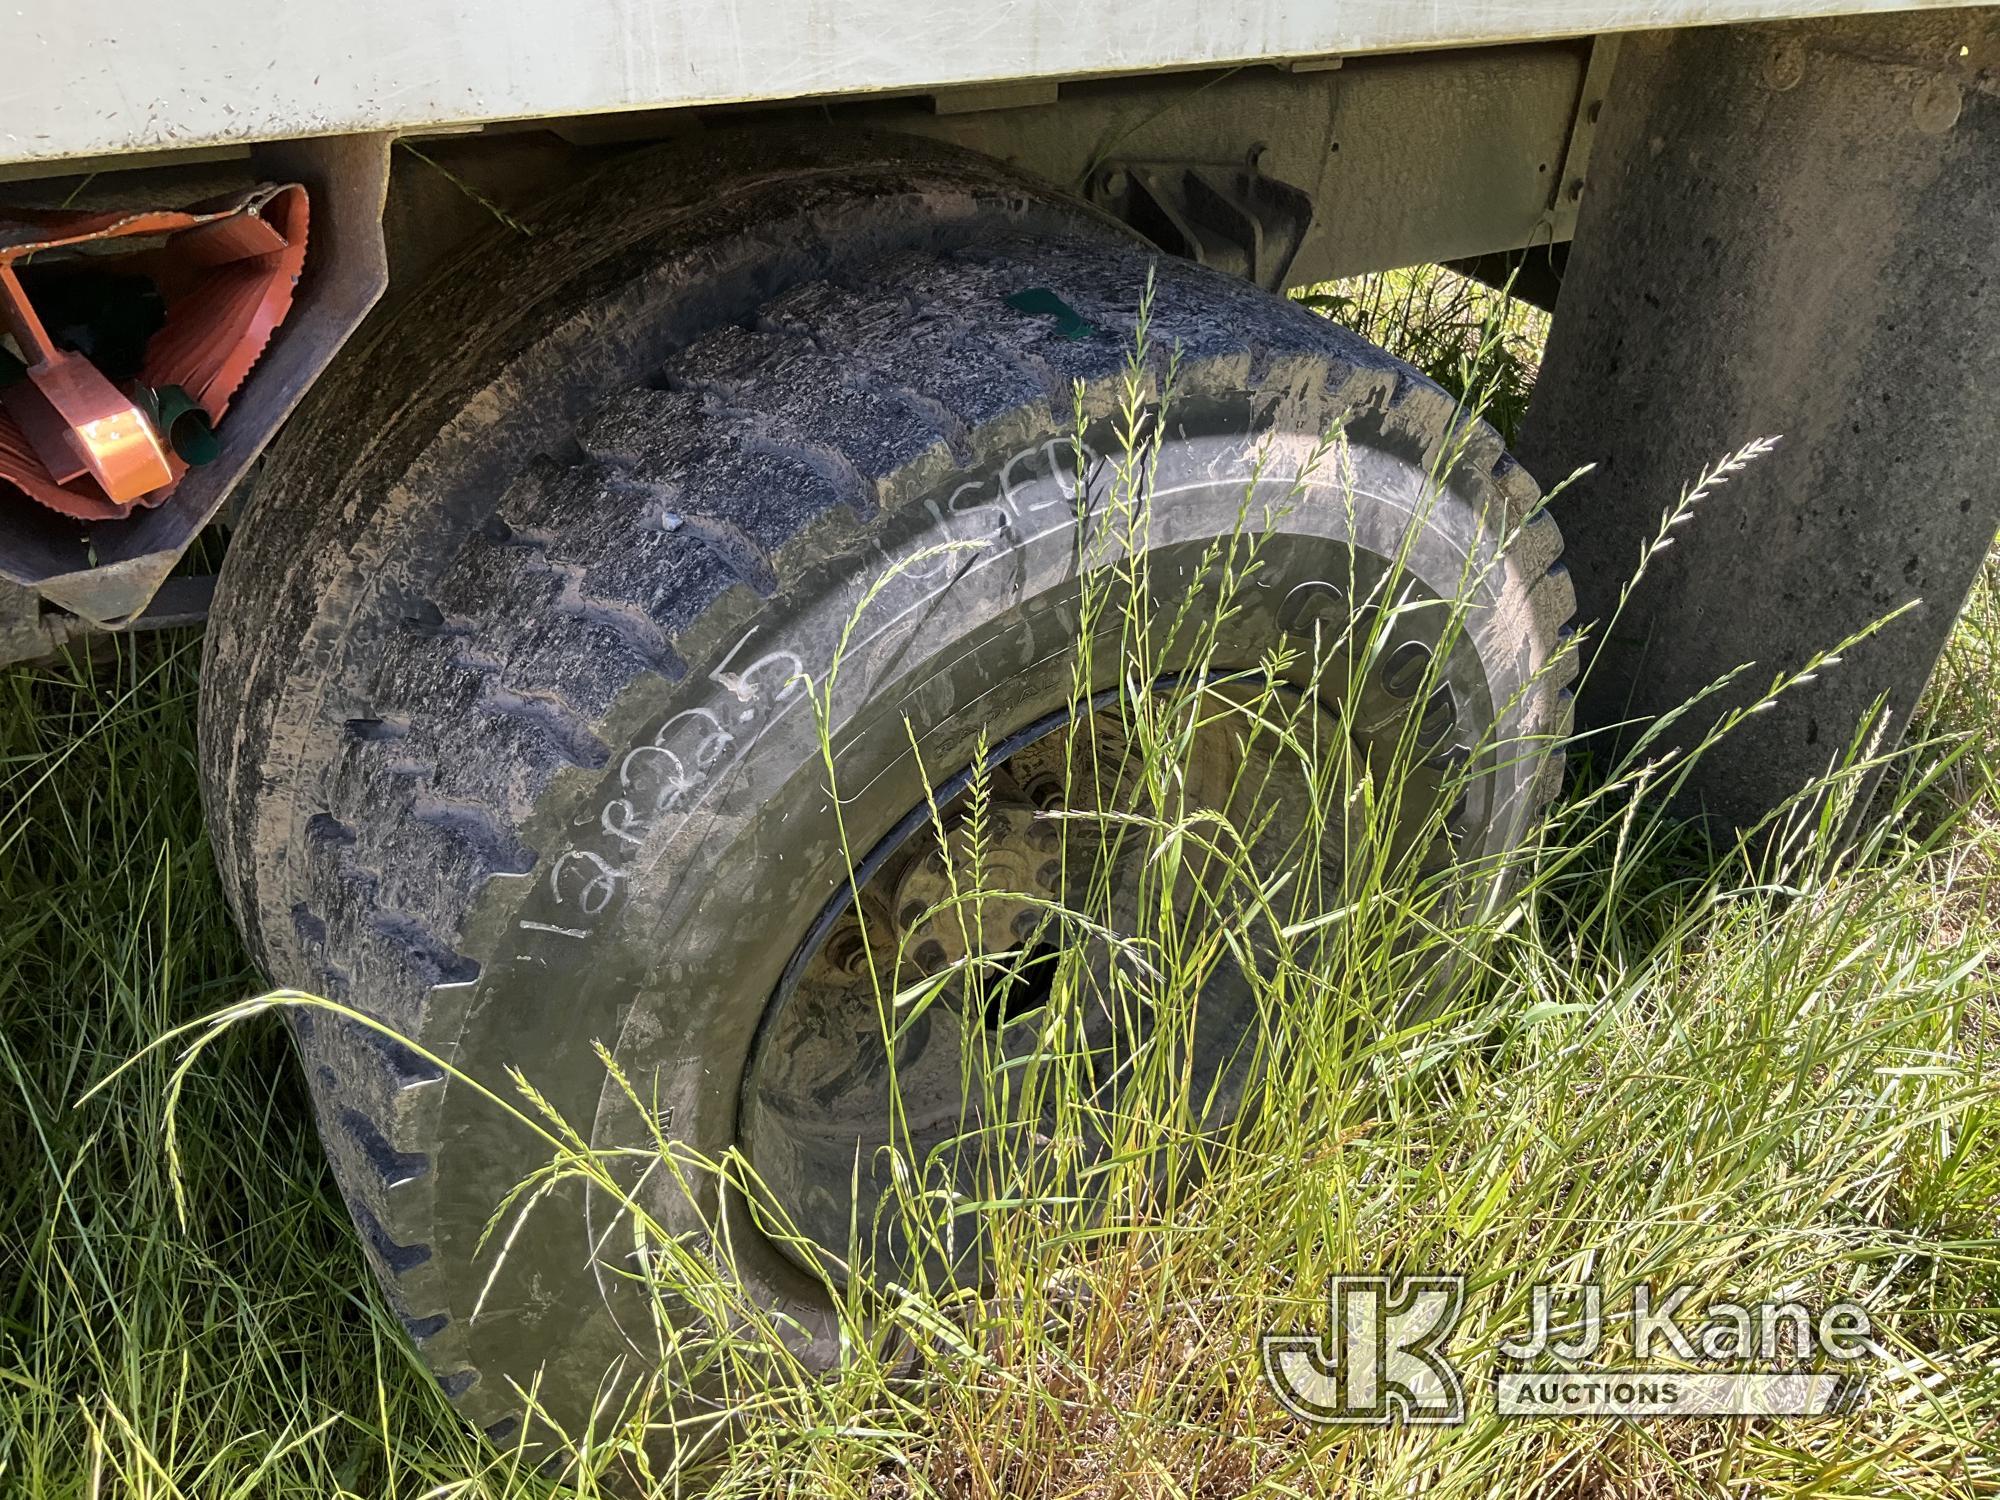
<point>822,1098</point>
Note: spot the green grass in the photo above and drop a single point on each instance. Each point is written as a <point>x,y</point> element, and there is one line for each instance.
<point>242,1352</point>
<point>1463,334</point>
<point>1752,1071</point>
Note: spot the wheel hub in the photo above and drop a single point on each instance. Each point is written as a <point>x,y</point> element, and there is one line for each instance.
<point>1019,865</point>
<point>987,887</point>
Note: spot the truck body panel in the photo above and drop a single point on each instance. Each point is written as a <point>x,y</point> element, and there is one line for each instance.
<point>100,77</point>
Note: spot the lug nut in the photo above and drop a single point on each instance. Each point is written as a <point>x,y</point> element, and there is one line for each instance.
<point>845,950</point>
<point>1046,792</point>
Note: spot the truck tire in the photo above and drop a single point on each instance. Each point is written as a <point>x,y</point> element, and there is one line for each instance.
<point>503,730</point>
